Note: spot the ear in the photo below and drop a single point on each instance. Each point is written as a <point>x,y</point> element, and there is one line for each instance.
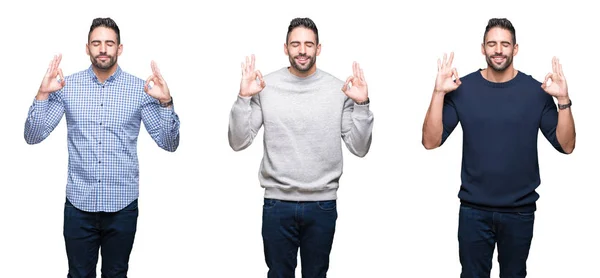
<point>285,50</point>
<point>120,50</point>
<point>483,49</point>
<point>87,49</point>
<point>318,49</point>
<point>516,50</point>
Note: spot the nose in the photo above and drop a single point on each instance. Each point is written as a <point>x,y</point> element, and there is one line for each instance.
<point>102,48</point>
<point>302,49</point>
<point>498,48</point>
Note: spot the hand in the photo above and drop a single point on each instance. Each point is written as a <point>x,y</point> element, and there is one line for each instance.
<point>358,90</point>
<point>249,86</point>
<point>50,83</point>
<point>444,82</point>
<point>558,87</point>
<point>159,90</point>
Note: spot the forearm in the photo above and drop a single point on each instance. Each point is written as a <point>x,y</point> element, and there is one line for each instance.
<point>169,129</point>
<point>358,140</point>
<point>35,126</point>
<point>565,128</point>
<point>241,134</point>
<point>432,125</point>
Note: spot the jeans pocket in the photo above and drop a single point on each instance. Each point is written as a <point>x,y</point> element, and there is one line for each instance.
<point>269,203</point>
<point>133,206</point>
<point>526,215</point>
<point>327,205</point>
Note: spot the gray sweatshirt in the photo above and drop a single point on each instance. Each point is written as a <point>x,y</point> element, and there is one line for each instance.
<point>304,118</point>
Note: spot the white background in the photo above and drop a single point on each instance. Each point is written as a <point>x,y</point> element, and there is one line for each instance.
<point>200,207</point>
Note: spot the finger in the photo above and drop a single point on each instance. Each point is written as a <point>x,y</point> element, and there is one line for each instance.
<point>243,69</point>
<point>450,59</point>
<point>147,85</point>
<point>548,77</point>
<point>354,71</point>
<point>560,71</point>
<point>455,73</point>
<point>439,64</point>
<point>53,67</point>
<point>260,78</point>
<point>348,80</point>
<point>58,59</point>
<point>252,63</point>
<point>156,71</point>
<point>61,77</point>
<point>362,76</point>
<point>444,61</point>
<point>49,70</point>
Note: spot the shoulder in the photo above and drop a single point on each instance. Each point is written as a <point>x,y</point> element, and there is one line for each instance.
<point>131,79</point>
<point>330,78</point>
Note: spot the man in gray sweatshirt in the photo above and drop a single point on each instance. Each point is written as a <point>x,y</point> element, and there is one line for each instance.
<point>304,111</point>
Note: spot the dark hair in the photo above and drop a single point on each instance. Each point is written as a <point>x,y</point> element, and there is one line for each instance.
<point>502,23</point>
<point>302,22</point>
<point>105,22</point>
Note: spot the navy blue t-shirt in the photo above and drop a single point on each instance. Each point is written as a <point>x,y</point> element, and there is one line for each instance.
<point>500,123</point>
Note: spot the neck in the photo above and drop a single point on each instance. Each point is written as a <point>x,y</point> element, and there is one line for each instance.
<point>103,74</point>
<point>298,73</point>
<point>493,75</point>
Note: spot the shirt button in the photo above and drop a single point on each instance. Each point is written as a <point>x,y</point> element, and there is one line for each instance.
<point>100,123</point>
<point>99,143</point>
<point>98,181</point>
<point>99,161</point>
<point>101,104</point>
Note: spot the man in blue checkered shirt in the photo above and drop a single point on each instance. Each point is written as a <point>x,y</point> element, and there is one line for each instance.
<point>104,107</point>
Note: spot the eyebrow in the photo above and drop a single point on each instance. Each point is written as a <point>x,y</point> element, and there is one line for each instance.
<point>94,41</point>
<point>497,41</point>
<point>304,42</point>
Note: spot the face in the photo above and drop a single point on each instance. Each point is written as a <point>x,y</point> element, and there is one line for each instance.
<point>302,50</point>
<point>499,49</point>
<point>103,49</point>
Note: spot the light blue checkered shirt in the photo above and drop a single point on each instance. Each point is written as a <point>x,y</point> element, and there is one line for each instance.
<point>103,123</point>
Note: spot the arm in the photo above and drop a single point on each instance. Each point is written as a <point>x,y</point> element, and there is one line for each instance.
<point>162,123</point>
<point>441,117</point>
<point>47,109</point>
<point>558,127</point>
<point>357,119</point>
<point>440,121</point>
<point>357,127</point>
<point>245,118</point>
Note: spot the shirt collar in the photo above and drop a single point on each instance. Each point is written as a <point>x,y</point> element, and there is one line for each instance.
<point>112,78</point>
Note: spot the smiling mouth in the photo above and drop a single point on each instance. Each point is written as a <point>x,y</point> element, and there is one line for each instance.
<point>302,60</point>
<point>499,59</point>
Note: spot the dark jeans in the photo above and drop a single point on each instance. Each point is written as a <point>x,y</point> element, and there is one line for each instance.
<point>289,225</point>
<point>87,232</point>
<point>479,231</point>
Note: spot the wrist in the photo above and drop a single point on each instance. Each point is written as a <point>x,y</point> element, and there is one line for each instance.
<point>362,101</point>
<point>42,96</point>
<point>563,100</point>
<point>164,99</point>
<point>165,103</point>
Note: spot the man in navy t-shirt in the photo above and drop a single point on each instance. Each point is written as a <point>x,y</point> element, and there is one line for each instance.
<point>500,110</point>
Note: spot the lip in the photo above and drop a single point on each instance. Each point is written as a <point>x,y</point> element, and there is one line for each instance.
<point>498,59</point>
<point>302,60</point>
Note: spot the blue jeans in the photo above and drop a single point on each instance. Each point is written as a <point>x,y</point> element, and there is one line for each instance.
<point>87,232</point>
<point>288,226</point>
<point>479,231</point>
